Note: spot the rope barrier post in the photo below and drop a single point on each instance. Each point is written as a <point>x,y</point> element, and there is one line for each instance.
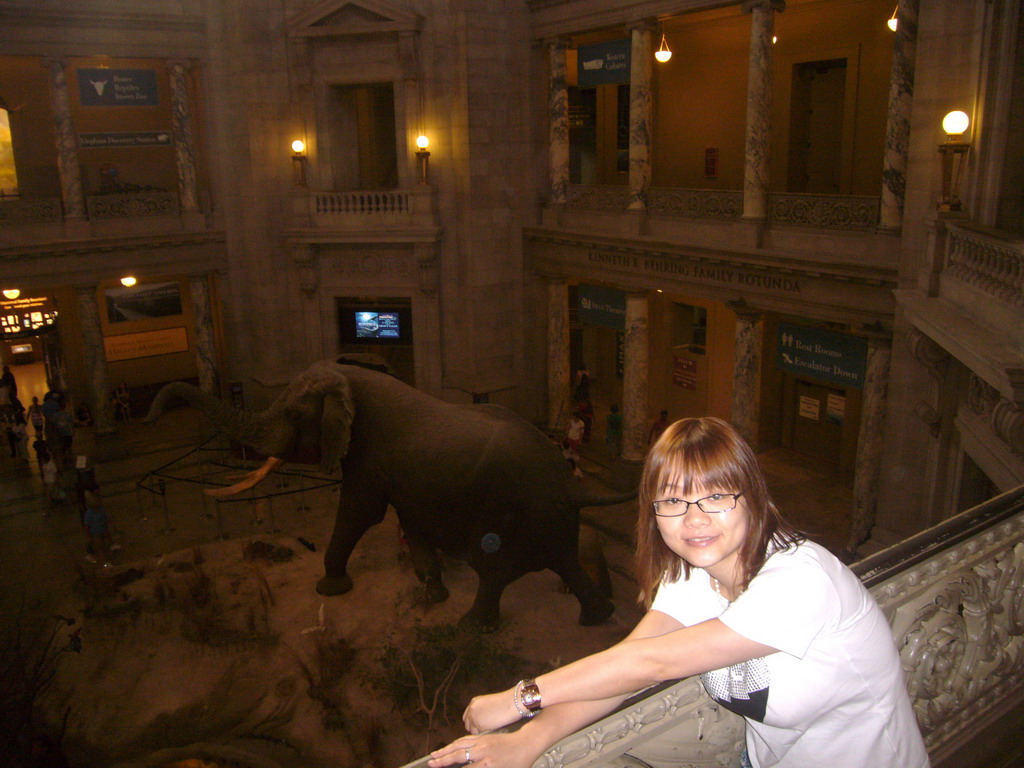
<point>302,493</point>
<point>162,490</point>
<point>270,514</point>
<point>220,523</point>
<point>202,482</point>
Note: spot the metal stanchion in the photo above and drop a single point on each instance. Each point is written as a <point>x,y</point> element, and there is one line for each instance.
<point>270,514</point>
<point>202,482</point>
<point>302,494</point>
<point>220,525</point>
<point>162,490</point>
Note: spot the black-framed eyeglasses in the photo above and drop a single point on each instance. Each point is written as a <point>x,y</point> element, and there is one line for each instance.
<point>713,504</point>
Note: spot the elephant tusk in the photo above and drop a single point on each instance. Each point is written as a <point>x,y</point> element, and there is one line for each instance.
<point>250,479</point>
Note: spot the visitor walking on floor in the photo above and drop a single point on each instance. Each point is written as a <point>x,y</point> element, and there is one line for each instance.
<point>660,425</point>
<point>96,526</point>
<point>48,469</point>
<point>35,416</point>
<point>779,629</point>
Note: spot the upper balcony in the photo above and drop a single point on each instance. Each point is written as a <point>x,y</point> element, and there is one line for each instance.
<point>392,215</point>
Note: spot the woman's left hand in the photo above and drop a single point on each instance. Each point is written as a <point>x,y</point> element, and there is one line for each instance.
<point>492,750</point>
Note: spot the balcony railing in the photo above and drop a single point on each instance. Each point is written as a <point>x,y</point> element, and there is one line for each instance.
<point>369,209</point>
<point>986,261</point>
<point>131,205</point>
<point>42,210</point>
<point>846,212</point>
<point>954,597</point>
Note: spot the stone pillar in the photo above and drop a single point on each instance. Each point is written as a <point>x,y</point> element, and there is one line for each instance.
<point>67,145</point>
<point>746,377</point>
<point>206,347</point>
<point>639,115</point>
<point>635,398</point>
<point>897,123</point>
<point>95,362</point>
<point>558,355</point>
<point>870,442</point>
<point>181,120</point>
<point>759,107</point>
<point>558,116</point>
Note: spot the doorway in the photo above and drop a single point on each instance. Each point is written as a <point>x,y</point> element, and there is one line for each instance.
<point>816,127</point>
<point>814,415</point>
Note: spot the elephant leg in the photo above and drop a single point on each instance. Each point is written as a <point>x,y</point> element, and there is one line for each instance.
<point>358,511</point>
<point>594,607</point>
<point>427,566</point>
<point>484,614</point>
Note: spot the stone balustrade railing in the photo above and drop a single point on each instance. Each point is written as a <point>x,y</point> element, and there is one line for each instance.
<point>987,261</point>
<point>954,597</point>
<point>848,212</point>
<point>131,205</point>
<point>42,210</point>
<point>369,208</point>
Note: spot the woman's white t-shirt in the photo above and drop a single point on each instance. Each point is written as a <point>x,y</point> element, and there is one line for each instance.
<point>834,694</point>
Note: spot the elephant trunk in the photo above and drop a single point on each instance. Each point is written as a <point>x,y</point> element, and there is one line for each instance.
<point>593,497</point>
<point>255,430</point>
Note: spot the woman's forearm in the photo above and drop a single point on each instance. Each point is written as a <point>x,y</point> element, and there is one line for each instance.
<point>616,672</point>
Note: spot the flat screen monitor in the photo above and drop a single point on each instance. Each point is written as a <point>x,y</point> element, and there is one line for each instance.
<point>378,325</point>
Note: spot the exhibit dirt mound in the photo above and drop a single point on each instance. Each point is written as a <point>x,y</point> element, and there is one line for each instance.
<point>225,653</point>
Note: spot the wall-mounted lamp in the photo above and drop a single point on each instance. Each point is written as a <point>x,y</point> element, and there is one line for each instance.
<point>893,22</point>
<point>423,156</point>
<point>128,281</point>
<point>299,162</point>
<point>11,293</point>
<point>663,54</point>
<point>775,39</point>
<point>953,152</point>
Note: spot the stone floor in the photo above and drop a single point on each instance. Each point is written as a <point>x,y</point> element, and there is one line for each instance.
<point>41,549</point>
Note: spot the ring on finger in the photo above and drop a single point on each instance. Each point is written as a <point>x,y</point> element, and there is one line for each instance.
<point>467,756</point>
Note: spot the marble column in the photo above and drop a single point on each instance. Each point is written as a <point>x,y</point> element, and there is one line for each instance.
<point>759,107</point>
<point>67,145</point>
<point>181,120</point>
<point>558,116</point>
<point>869,442</point>
<point>897,123</point>
<point>746,376</point>
<point>636,362</point>
<point>206,347</point>
<point>640,115</point>
<point>558,356</point>
<point>96,376</point>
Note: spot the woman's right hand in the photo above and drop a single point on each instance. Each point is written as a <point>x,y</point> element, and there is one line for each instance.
<point>492,750</point>
<point>493,710</point>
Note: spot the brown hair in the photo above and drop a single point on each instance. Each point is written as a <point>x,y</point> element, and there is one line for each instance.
<point>708,452</point>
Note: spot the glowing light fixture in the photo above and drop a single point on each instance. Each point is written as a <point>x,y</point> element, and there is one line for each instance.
<point>953,152</point>
<point>299,162</point>
<point>128,281</point>
<point>663,54</point>
<point>893,21</point>
<point>423,156</point>
<point>954,124</point>
<point>11,293</point>
<point>775,39</point>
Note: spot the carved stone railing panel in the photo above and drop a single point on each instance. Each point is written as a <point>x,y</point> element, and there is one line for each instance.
<point>824,211</point>
<point>596,196</point>
<point>44,210</point>
<point>847,212</point>
<point>954,596</point>
<point>132,205</point>
<point>986,262</point>
<point>696,203</point>
<point>371,208</point>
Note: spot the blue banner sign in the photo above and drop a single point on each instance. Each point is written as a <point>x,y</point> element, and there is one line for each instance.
<point>124,139</point>
<point>117,88</point>
<point>603,63</point>
<point>824,355</point>
<point>602,306</point>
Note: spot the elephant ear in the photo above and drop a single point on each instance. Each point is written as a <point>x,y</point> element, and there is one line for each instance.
<point>339,409</point>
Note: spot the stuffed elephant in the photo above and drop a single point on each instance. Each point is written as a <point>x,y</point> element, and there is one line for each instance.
<point>476,481</point>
